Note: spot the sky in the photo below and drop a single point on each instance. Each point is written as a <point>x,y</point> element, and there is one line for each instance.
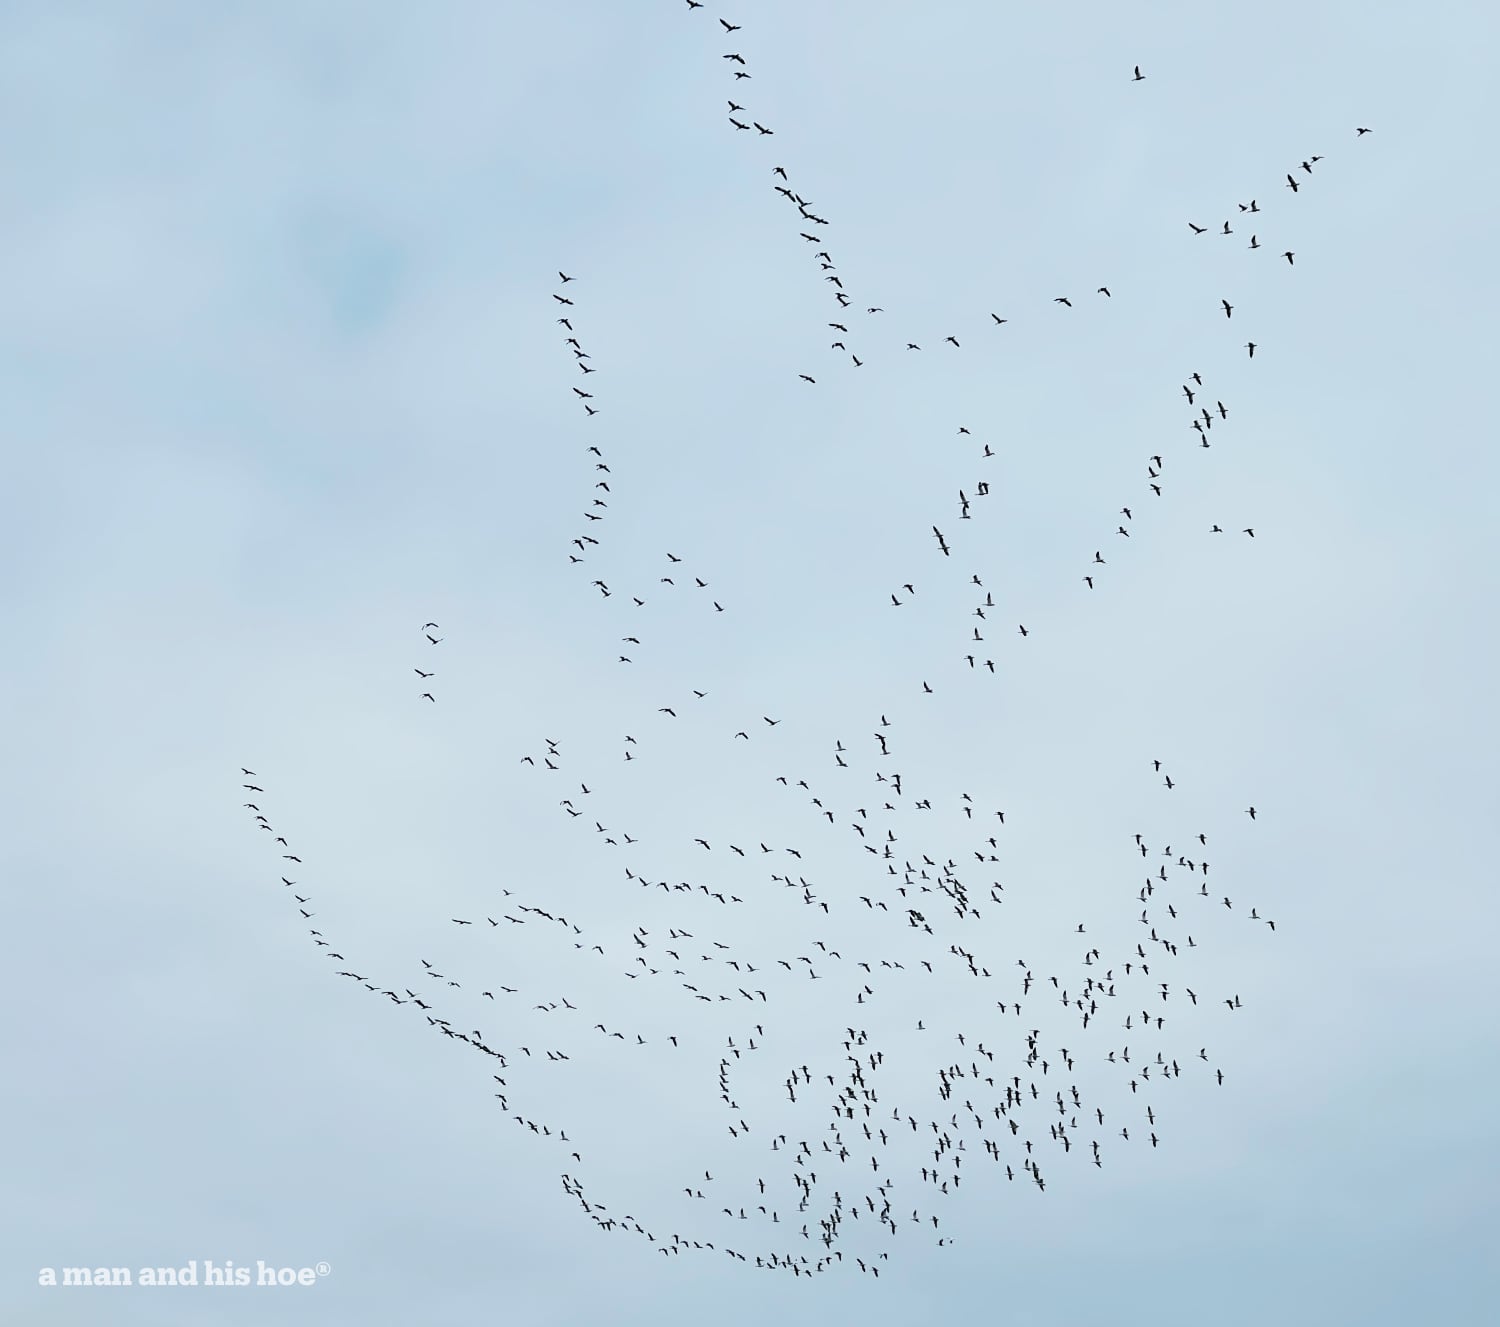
<point>284,381</point>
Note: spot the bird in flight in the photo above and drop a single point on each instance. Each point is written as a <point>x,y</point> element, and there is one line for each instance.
<point>1061,300</point>
<point>1138,75</point>
<point>1359,132</point>
<point>1250,346</point>
<point>1291,184</point>
<point>1104,290</point>
<point>942,543</point>
<point>1197,230</point>
<point>1228,307</point>
<point>1288,255</point>
<point>566,278</point>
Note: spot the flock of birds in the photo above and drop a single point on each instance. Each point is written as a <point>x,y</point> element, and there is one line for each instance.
<point>934,1044</point>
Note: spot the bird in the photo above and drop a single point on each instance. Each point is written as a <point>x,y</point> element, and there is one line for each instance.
<point>1138,75</point>
<point>805,378</point>
<point>1288,255</point>
<point>1103,290</point>
<point>729,27</point>
<point>1250,346</point>
<point>1228,307</point>
<point>1291,184</point>
<point>420,673</point>
<point>1359,132</point>
<point>1197,230</point>
<point>566,278</point>
<point>1250,811</point>
<point>942,543</point>
<point>1062,300</point>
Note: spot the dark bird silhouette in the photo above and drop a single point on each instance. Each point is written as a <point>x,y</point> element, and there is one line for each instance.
<point>1250,346</point>
<point>1138,75</point>
<point>1288,255</point>
<point>566,278</point>
<point>1197,230</point>
<point>1359,132</point>
<point>942,543</point>
<point>1228,307</point>
<point>1291,184</point>
<point>1063,300</point>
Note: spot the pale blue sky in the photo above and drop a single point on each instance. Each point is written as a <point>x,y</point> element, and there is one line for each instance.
<point>282,382</point>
